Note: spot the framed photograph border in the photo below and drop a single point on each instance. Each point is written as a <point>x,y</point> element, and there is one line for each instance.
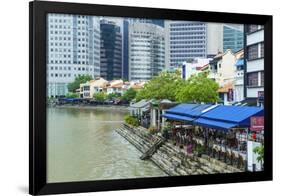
<point>38,11</point>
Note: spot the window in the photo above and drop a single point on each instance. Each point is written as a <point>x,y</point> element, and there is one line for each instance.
<point>252,79</point>
<point>262,50</point>
<point>253,52</point>
<point>86,88</point>
<point>262,78</point>
<point>252,28</point>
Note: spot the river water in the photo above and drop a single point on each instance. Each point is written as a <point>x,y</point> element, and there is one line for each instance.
<point>82,145</point>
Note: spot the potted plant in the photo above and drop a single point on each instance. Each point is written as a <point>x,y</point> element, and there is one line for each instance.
<point>199,150</point>
<point>259,150</point>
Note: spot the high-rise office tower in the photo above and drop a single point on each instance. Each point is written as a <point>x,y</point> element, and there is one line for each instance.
<point>125,25</point>
<point>111,50</point>
<point>232,37</point>
<point>185,40</point>
<point>146,48</point>
<point>73,50</point>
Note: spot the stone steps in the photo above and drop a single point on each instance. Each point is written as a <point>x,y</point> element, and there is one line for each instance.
<point>171,159</point>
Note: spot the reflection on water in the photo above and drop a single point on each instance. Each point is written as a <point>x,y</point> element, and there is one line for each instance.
<point>83,146</point>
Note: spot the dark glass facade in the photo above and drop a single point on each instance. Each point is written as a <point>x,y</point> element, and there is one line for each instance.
<point>232,39</point>
<point>110,50</point>
<point>125,73</point>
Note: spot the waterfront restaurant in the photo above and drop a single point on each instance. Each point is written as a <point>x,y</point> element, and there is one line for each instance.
<point>141,111</point>
<point>219,131</point>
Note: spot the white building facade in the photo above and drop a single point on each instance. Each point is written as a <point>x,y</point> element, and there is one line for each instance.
<point>73,50</point>
<point>255,63</point>
<point>146,50</point>
<point>189,69</point>
<point>191,39</point>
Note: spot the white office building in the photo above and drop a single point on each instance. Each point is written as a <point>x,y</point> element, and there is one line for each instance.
<point>73,50</point>
<point>191,39</point>
<point>194,67</point>
<point>254,88</point>
<point>146,50</point>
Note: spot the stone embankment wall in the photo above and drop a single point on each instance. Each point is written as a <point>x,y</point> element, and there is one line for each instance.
<point>171,159</point>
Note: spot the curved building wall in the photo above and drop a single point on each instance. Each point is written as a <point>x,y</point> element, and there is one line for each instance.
<point>146,50</point>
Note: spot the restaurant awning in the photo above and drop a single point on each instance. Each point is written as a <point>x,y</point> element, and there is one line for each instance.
<point>226,117</point>
<point>190,110</point>
<point>214,124</point>
<point>177,117</point>
<point>141,104</point>
<point>214,116</point>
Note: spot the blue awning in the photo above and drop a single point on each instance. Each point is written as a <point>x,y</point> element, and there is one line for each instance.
<point>214,124</point>
<point>239,62</point>
<point>191,110</point>
<point>239,115</point>
<point>214,116</point>
<point>182,109</point>
<point>177,117</point>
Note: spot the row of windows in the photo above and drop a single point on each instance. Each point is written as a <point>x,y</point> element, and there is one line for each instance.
<point>253,79</point>
<point>187,55</point>
<point>253,51</point>
<point>64,75</point>
<point>186,46</point>
<point>186,24</point>
<point>146,37</point>
<point>69,62</point>
<point>60,43</point>
<point>60,20</point>
<point>60,27</point>
<point>233,43</point>
<point>188,29</point>
<point>60,38</point>
<point>60,55</point>
<point>69,68</point>
<point>68,55</point>
<point>187,33</point>
<point>187,51</point>
<point>187,37</point>
<point>60,75</point>
<point>186,42</point>
<point>252,28</point>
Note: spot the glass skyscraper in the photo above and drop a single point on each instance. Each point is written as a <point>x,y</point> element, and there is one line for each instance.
<point>111,50</point>
<point>232,37</point>
<point>146,50</point>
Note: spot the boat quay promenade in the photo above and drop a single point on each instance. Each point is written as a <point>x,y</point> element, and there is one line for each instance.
<point>170,158</point>
<point>85,106</point>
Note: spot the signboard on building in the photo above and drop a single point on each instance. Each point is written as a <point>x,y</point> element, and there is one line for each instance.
<point>257,123</point>
<point>260,96</point>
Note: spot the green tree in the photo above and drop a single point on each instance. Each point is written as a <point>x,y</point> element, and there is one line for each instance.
<point>198,88</point>
<point>112,96</point>
<point>72,95</point>
<point>78,80</point>
<point>100,96</point>
<point>162,86</point>
<point>129,95</point>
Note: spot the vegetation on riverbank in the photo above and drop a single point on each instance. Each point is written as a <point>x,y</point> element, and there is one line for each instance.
<point>131,120</point>
<point>198,88</point>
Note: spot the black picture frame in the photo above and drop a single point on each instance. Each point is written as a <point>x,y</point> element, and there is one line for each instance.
<point>37,97</point>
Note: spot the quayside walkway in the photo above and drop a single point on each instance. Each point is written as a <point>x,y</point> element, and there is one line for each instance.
<point>171,159</point>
